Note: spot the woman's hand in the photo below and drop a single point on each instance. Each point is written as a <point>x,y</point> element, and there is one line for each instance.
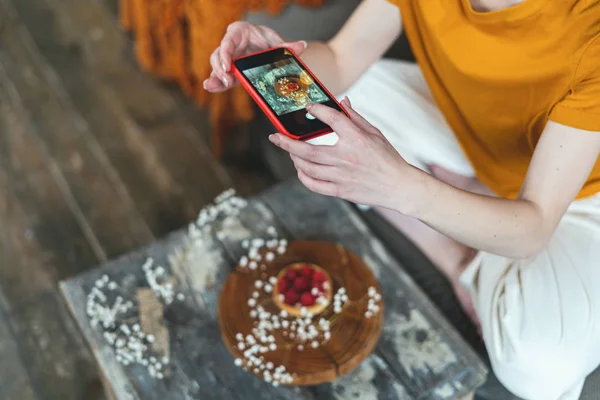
<point>240,39</point>
<point>362,167</point>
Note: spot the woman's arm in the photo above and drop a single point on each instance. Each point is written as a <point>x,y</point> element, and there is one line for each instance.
<point>365,37</point>
<point>364,168</point>
<point>562,161</point>
<point>369,32</point>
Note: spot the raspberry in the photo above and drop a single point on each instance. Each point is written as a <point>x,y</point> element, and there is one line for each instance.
<point>319,276</point>
<point>301,284</point>
<point>307,271</point>
<point>291,297</point>
<point>307,299</point>
<point>317,285</point>
<point>290,274</point>
<point>282,285</point>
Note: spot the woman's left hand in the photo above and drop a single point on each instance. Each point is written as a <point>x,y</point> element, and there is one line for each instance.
<point>361,167</point>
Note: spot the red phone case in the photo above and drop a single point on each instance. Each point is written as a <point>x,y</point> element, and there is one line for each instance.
<point>267,110</point>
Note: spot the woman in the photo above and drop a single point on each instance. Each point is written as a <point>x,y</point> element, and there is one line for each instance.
<point>485,155</point>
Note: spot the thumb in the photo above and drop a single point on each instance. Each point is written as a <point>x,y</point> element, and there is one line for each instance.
<point>297,47</point>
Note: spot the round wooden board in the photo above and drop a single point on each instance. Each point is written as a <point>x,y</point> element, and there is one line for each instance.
<point>353,336</point>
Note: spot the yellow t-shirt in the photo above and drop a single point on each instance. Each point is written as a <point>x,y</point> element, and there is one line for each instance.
<point>499,76</point>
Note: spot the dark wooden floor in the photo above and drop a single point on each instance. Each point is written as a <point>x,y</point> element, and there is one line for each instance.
<point>96,159</point>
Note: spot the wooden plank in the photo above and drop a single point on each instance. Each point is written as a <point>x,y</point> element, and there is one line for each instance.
<point>42,236</point>
<point>372,380</point>
<point>41,242</point>
<point>158,155</point>
<point>87,179</point>
<point>54,351</point>
<point>202,367</point>
<point>14,380</point>
<point>420,346</point>
<point>34,255</point>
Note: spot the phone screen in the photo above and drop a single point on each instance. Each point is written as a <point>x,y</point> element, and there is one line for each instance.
<point>286,87</point>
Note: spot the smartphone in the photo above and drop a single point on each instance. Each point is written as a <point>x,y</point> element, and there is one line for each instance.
<point>282,86</point>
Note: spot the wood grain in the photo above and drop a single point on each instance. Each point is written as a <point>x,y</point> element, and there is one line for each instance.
<point>86,178</point>
<point>14,379</point>
<point>353,336</point>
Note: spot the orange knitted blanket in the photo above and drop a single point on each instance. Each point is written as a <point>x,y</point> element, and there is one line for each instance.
<point>174,40</point>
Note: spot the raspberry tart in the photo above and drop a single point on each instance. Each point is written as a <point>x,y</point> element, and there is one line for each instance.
<point>303,286</point>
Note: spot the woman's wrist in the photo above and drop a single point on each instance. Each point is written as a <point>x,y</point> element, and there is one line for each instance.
<point>411,192</point>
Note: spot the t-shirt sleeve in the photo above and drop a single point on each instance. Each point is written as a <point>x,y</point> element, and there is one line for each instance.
<point>580,108</point>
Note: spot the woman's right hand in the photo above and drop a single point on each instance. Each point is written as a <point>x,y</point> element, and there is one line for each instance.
<point>240,39</point>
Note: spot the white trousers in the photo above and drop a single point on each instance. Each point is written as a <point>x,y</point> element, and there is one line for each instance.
<point>540,317</point>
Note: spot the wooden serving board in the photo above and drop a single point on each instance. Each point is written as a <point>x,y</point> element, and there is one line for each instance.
<point>353,336</point>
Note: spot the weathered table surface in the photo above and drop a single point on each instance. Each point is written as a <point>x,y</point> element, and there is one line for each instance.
<point>419,355</point>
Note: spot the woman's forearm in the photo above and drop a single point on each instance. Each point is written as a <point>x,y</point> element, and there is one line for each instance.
<point>512,228</point>
<point>322,61</point>
<point>341,61</point>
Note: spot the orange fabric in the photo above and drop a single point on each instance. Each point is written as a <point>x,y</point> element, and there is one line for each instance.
<point>499,76</point>
<point>175,38</point>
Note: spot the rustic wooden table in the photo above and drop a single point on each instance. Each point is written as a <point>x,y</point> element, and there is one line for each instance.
<point>419,355</point>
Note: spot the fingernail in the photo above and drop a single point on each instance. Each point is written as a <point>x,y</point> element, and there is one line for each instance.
<point>304,43</point>
<point>274,139</point>
<point>204,84</point>
<point>309,106</point>
<point>225,81</point>
<point>224,67</point>
<point>348,101</point>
